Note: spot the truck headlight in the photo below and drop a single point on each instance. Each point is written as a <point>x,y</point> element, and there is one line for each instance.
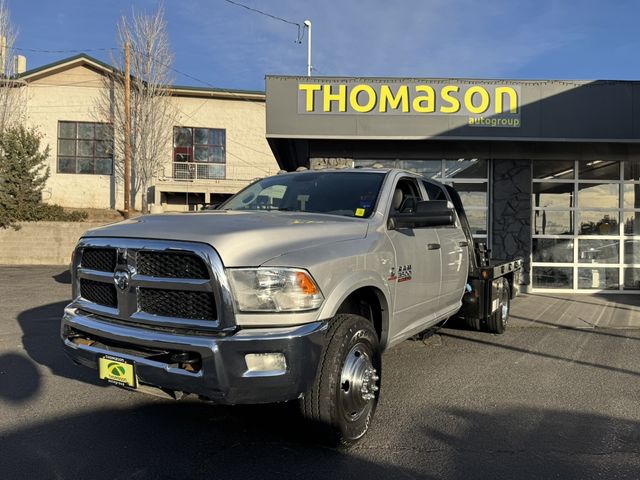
<point>274,290</point>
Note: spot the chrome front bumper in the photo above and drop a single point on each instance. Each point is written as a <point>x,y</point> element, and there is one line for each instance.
<point>222,376</point>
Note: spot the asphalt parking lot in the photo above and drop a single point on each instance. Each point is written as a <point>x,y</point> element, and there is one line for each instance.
<point>536,402</point>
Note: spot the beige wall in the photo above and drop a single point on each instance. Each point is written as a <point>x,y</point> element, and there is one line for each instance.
<point>248,154</point>
<point>41,243</point>
<point>69,95</point>
<point>72,95</point>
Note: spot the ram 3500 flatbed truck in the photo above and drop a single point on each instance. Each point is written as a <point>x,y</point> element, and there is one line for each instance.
<point>291,289</point>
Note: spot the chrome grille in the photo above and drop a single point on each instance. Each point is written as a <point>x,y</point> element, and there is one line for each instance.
<point>177,303</point>
<point>171,265</point>
<point>101,259</point>
<point>161,284</point>
<point>99,292</point>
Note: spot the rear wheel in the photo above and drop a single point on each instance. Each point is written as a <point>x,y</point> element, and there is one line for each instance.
<point>473,323</point>
<point>497,321</point>
<point>344,395</point>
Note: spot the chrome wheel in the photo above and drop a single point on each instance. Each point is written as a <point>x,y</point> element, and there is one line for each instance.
<point>504,306</point>
<point>358,382</point>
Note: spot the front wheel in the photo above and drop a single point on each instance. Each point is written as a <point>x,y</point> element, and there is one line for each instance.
<point>497,321</point>
<point>344,394</point>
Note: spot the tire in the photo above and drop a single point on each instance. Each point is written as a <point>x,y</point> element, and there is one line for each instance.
<point>473,323</point>
<point>342,400</point>
<point>497,322</point>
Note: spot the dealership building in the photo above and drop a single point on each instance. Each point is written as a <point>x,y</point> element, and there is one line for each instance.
<point>548,170</point>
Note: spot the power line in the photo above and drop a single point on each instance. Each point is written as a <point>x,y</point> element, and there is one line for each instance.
<point>275,17</point>
<point>35,50</point>
<point>110,49</point>
<point>232,93</point>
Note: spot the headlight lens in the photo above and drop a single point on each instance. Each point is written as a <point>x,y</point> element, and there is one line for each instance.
<point>274,290</point>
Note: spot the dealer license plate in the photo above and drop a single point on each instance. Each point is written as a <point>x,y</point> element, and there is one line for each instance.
<point>117,370</point>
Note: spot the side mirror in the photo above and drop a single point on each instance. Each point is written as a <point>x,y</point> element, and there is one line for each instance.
<point>430,213</point>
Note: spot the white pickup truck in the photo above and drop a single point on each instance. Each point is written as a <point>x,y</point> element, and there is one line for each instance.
<point>292,289</point>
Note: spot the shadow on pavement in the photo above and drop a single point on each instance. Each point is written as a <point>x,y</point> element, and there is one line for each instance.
<point>594,330</point>
<point>41,341</point>
<point>194,440</point>
<point>618,300</point>
<point>19,378</point>
<point>550,356</point>
<point>63,277</point>
<point>521,443</point>
<point>180,440</point>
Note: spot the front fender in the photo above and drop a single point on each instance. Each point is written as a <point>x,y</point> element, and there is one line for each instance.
<point>349,284</point>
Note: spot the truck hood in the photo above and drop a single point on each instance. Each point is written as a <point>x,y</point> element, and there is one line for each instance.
<point>241,238</point>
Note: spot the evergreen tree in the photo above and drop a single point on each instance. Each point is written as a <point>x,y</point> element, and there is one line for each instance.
<point>23,173</point>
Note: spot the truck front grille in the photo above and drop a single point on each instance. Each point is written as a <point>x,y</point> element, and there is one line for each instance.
<point>177,303</point>
<point>98,292</point>
<point>101,259</point>
<point>154,284</point>
<point>171,265</point>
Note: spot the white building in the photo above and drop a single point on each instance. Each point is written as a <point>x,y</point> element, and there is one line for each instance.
<point>218,143</point>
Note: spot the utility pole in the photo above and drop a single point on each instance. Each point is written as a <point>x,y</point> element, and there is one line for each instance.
<point>127,132</point>
<point>307,24</point>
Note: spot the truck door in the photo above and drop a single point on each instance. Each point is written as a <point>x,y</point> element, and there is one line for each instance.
<point>417,270</point>
<point>454,256</point>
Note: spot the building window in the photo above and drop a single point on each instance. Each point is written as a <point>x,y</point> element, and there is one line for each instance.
<point>85,147</point>
<point>585,225</point>
<point>199,153</point>
<point>469,176</point>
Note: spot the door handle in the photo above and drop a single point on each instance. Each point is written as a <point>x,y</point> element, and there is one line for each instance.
<point>433,246</point>
<point>463,244</point>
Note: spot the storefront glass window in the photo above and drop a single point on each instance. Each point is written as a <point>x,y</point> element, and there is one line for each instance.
<point>427,168</point>
<point>632,170</point>
<point>553,169</point>
<point>598,223</point>
<point>552,250</point>
<point>598,195</point>
<point>552,277</point>
<point>376,163</point>
<point>632,278</point>
<point>632,223</point>
<point>550,222</point>
<point>598,170</point>
<point>553,195</point>
<point>598,278</point>
<point>477,221</point>
<point>632,251</point>
<point>465,168</point>
<point>592,243</point>
<point>472,194</point>
<point>598,251</point>
<point>631,196</point>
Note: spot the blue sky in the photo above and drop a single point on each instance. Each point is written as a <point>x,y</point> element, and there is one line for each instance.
<point>230,47</point>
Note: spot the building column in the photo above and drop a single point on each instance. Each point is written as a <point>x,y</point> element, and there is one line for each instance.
<point>511,225</point>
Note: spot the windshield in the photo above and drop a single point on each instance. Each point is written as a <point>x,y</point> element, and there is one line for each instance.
<point>350,194</point>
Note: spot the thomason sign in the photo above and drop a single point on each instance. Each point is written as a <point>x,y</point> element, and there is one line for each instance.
<point>483,104</point>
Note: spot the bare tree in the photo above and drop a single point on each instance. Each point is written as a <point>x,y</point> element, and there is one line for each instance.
<point>12,93</point>
<point>152,113</point>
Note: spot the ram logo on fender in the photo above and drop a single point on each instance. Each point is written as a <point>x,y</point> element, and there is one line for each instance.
<point>404,273</point>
